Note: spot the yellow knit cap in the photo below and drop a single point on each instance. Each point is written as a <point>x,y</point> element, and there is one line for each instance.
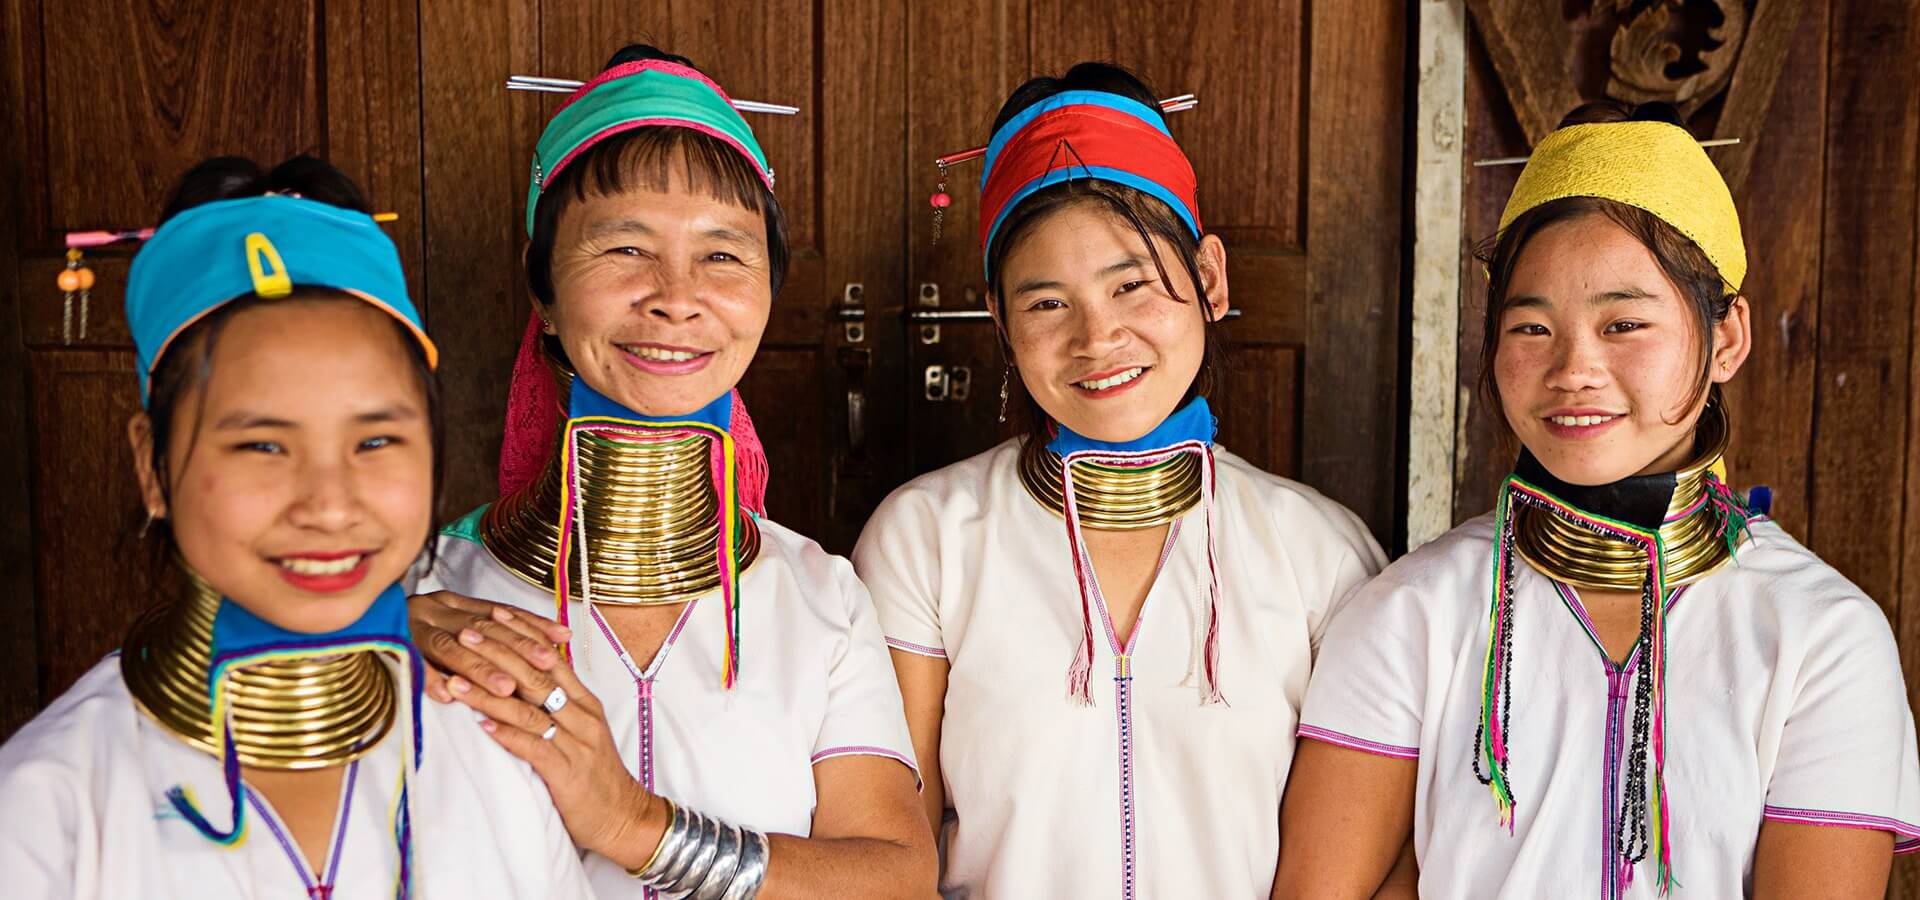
<point>1655,166</point>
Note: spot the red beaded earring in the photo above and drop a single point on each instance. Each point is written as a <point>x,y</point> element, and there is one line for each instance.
<point>940,201</point>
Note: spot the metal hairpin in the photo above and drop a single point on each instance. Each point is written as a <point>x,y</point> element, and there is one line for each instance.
<point>541,85</point>
<point>1517,160</point>
<point>1182,103</point>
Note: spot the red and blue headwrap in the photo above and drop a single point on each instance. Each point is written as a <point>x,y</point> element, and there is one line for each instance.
<point>1084,134</point>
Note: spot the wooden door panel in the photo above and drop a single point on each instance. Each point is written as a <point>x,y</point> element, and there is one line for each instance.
<point>91,578</point>
<point>1245,60</point>
<point>1264,392</point>
<point>121,122</point>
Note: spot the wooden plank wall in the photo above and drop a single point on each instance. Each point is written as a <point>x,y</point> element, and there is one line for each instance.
<point>1826,411</point>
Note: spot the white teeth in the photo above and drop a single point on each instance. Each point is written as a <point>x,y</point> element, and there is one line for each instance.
<point>662,354</point>
<point>1580,421</point>
<point>339,566</point>
<point>1112,380</point>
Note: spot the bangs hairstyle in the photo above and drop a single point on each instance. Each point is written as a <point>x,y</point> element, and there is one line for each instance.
<point>1683,262</point>
<point>187,365</point>
<point>652,158</point>
<point>1149,216</point>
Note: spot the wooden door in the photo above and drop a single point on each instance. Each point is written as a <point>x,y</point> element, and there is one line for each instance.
<point>1297,143</point>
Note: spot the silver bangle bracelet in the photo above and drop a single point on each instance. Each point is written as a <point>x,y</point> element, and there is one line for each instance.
<point>726,861</point>
<point>703,858</point>
<point>753,868</point>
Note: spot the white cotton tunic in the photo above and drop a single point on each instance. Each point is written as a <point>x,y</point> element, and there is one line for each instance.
<point>1784,702</point>
<point>815,683</point>
<point>1148,793</point>
<point>83,788</point>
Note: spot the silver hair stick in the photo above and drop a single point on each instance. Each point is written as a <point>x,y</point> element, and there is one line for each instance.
<point>1517,160</point>
<point>542,85</point>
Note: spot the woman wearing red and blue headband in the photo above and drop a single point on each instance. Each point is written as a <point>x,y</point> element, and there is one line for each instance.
<point>719,717</point>
<point>261,731</point>
<point>1103,629</point>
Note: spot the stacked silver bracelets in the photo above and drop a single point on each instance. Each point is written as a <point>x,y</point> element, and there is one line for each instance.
<point>706,859</point>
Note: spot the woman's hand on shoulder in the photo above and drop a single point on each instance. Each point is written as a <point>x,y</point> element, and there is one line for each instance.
<point>503,649</point>
<point>563,734</point>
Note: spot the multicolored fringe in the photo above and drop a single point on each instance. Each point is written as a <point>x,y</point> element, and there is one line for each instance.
<point>235,835</point>
<point>1491,747</point>
<point>573,527</point>
<point>1080,672</point>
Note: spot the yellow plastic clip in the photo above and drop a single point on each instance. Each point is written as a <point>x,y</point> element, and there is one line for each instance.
<point>270,277</point>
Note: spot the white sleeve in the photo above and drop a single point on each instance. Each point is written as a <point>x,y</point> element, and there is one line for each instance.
<point>1345,557</point>
<point>1847,756</point>
<point>864,714</point>
<point>45,826</point>
<point>1369,684</point>
<point>898,559</point>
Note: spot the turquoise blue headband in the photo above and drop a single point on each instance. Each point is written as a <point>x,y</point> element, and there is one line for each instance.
<point>265,246</point>
<point>633,95</point>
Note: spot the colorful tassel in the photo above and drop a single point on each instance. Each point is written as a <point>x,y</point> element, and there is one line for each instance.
<point>1080,671</point>
<point>726,475</point>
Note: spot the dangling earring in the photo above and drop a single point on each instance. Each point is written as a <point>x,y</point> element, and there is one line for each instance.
<point>147,525</point>
<point>941,200</point>
<point>74,279</point>
<point>1006,379</point>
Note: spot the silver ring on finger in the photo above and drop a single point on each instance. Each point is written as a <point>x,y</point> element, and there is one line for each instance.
<point>555,702</point>
<point>552,730</point>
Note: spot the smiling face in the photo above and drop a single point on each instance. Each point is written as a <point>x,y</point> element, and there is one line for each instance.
<point>660,296</point>
<point>1599,354</point>
<point>1100,341</point>
<point>300,473</point>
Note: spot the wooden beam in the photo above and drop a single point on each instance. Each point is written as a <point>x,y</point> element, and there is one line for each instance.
<point>1750,94</point>
<point>1530,51</point>
<point>1439,139</point>
<point>1354,178</point>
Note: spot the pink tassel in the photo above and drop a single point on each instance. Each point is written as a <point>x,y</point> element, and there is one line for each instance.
<point>750,468</point>
<point>1081,672</point>
<point>1210,665</point>
<point>533,411</point>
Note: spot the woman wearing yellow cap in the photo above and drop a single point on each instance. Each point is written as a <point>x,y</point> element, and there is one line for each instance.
<point>1623,680</point>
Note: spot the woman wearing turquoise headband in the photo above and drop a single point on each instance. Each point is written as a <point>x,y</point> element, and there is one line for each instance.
<point>1103,629</point>
<point>719,716</point>
<point>262,733</point>
<point>1623,681</point>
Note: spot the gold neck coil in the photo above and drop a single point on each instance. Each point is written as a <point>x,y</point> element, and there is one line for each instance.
<point>1694,544</point>
<point>651,512</point>
<point>287,714</point>
<point>1118,498</point>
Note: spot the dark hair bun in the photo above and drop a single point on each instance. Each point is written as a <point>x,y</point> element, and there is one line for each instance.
<point>234,177</point>
<point>1658,111</point>
<point>1601,112</point>
<point>632,53</point>
<point>1086,76</point>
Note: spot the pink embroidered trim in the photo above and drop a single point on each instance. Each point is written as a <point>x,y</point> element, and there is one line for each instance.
<point>1906,837</point>
<point>916,649</point>
<point>1328,736</point>
<point>861,750</point>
